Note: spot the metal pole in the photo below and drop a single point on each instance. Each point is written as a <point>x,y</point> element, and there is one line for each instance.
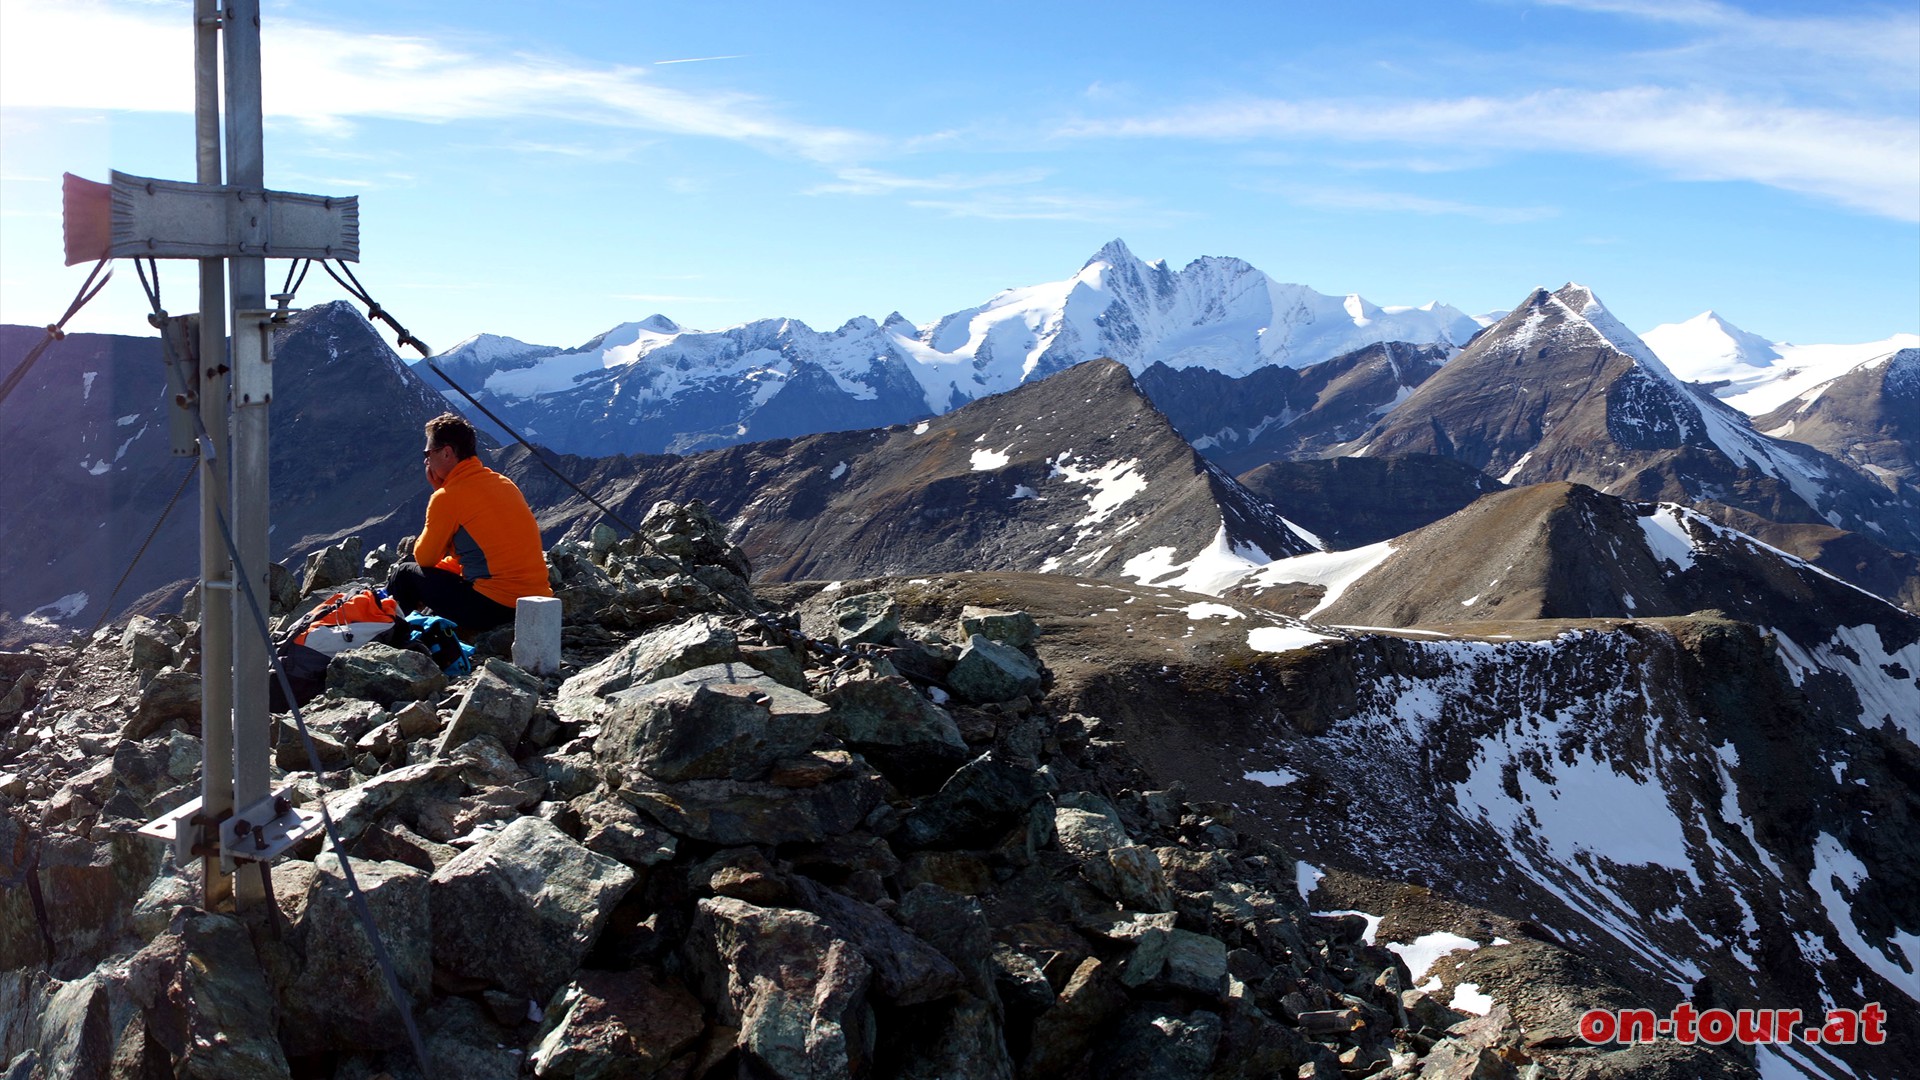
<point>216,567</point>
<point>247,279</point>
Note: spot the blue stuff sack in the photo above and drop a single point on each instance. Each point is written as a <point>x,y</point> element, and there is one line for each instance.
<point>440,639</point>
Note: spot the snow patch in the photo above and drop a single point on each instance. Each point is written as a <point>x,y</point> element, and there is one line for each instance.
<point>1333,571</point>
<point>1468,999</point>
<point>1421,953</point>
<point>1306,878</point>
<point>839,471</point>
<point>989,460</point>
<point>1837,874</point>
<point>1273,777</point>
<point>1204,610</point>
<point>1279,639</point>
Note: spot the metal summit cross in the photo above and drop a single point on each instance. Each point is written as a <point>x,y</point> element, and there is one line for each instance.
<point>231,225</point>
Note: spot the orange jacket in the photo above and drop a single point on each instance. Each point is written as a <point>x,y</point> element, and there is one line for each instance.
<point>478,525</point>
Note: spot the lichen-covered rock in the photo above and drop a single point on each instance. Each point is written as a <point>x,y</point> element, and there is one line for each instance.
<point>866,619</point>
<point>796,992</point>
<point>338,997</point>
<point>384,674</point>
<point>699,642</point>
<point>76,1039</point>
<point>520,908</point>
<point>499,702</point>
<point>895,726</point>
<point>987,671</point>
<point>607,1025</point>
<point>332,566</point>
<point>171,695</point>
<point>1090,829</point>
<point>205,999</point>
<point>1150,1043</point>
<point>732,812</point>
<point>907,971</point>
<point>1014,629</point>
<point>726,721</point>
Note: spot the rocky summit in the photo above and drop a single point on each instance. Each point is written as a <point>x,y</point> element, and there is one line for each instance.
<point>821,832</point>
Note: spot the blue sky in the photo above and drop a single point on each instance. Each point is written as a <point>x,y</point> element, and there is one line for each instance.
<point>548,170</point>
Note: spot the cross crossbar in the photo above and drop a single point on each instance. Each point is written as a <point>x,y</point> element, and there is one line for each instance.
<point>144,218</point>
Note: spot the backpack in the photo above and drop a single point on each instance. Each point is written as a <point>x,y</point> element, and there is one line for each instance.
<point>343,621</point>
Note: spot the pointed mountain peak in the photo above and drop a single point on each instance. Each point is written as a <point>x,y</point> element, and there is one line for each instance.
<point>899,324</point>
<point>1115,253</point>
<point>659,324</point>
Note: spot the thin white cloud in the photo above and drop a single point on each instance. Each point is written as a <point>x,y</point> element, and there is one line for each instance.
<point>327,79</point>
<point>666,298</point>
<point>700,59</point>
<point>1354,199</point>
<point>865,181</point>
<point>1866,162</point>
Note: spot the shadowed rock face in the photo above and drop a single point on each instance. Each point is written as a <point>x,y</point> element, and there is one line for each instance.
<point>1278,413</point>
<point>1351,502</point>
<point>1870,416</point>
<point>1077,472</point>
<point>87,436</point>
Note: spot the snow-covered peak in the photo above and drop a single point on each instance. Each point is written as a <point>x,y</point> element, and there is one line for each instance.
<point>659,324</point>
<point>1582,302</point>
<point>1707,348</point>
<point>486,348</point>
<point>1114,252</point>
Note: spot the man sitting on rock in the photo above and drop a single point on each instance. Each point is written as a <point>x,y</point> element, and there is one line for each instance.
<point>480,548</point>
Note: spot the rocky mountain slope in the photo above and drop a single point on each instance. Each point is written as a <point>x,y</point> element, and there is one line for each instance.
<point>700,851</point>
<point>1076,474</point>
<point>1870,416</point>
<point>1275,413</point>
<point>1355,501</point>
<point>654,386</point>
<point>1560,391</point>
<point>86,434</point>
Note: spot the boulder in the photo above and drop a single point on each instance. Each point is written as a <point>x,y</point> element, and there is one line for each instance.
<point>976,804</point>
<point>149,645</point>
<point>499,702</point>
<point>689,532</point>
<point>796,992</point>
<point>171,695</point>
<point>384,674</point>
<point>1063,1034</point>
<point>726,721</point>
<point>624,1025</point>
<point>890,722</point>
<point>906,970</point>
<point>338,996</point>
<point>988,671</point>
<point>1014,629</point>
<point>699,642</point>
<point>1150,1043</point>
<point>76,1038</point>
<point>1089,828</point>
<point>401,791</point>
<point>333,566</point>
<point>205,999</point>
<point>730,812</point>
<point>522,907</point>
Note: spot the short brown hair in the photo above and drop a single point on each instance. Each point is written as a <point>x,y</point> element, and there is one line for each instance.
<point>452,429</point>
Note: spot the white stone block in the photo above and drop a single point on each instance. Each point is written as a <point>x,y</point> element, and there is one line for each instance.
<point>536,634</point>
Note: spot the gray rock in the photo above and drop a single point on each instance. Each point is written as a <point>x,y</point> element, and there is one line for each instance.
<point>1063,1034</point>
<point>796,992</point>
<point>464,1042</point>
<point>206,1000</point>
<point>76,1040</point>
<point>499,702</point>
<point>723,721</point>
<point>624,1025</point>
<point>691,533</point>
<point>988,671</point>
<point>338,998</point>
<point>1152,1044</point>
<point>906,970</point>
<point>1195,963</point>
<point>164,898</point>
<point>731,812</point>
<point>384,674</point>
<point>699,642</point>
<point>896,727</point>
<point>358,808</point>
<point>148,644</point>
<point>866,619</point>
<point>332,567</point>
<point>1015,629</point>
<point>975,805</point>
<point>967,1040</point>
<point>520,908</point>
<point>1090,829</point>
<point>957,927</point>
<point>23,1000</point>
<point>169,696</point>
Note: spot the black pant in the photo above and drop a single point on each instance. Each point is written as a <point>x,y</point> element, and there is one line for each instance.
<point>413,587</point>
